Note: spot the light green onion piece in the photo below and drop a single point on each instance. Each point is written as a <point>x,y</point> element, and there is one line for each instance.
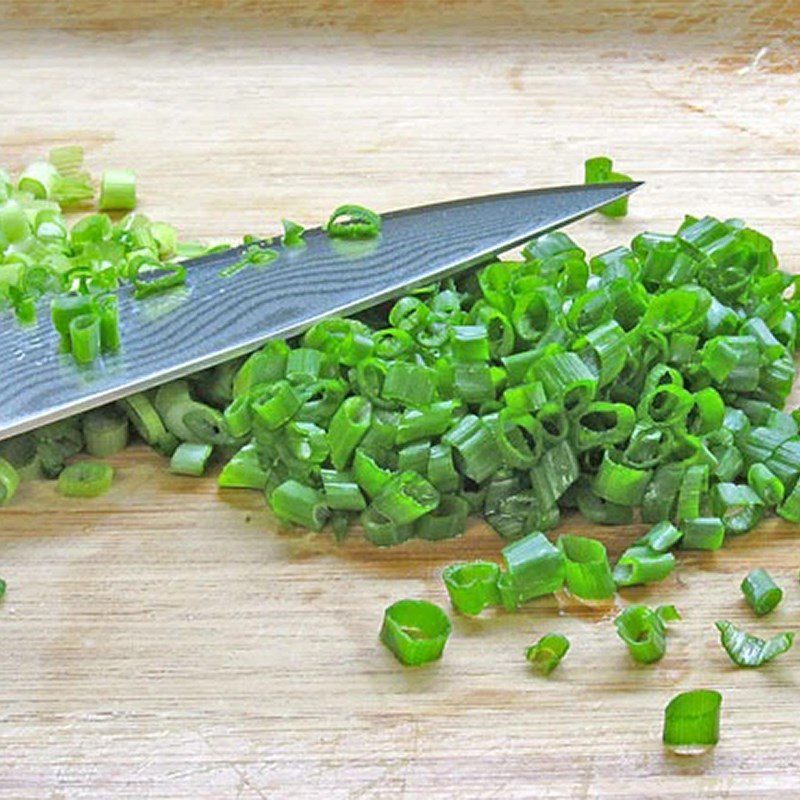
<point>117,190</point>
<point>547,653</point>
<point>85,479</point>
<point>190,459</point>
<point>105,432</point>
<point>746,650</point>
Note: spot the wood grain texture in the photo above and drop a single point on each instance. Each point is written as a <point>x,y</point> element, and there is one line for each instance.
<point>167,641</point>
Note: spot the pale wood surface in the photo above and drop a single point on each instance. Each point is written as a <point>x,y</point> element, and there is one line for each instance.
<point>166,640</point>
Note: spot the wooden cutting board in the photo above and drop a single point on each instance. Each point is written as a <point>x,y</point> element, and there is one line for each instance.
<point>167,640</point>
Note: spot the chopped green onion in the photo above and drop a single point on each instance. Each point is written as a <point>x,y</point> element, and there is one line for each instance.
<point>117,190</point>
<point>599,170</point>
<point>85,479</point>
<point>761,592</point>
<point>739,507</point>
<point>353,222</point>
<point>620,484</point>
<point>472,586</point>
<point>149,278</point>
<point>641,564</point>
<point>746,650</point>
<point>9,482</point>
<point>105,432</point>
<point>244,471</point>
<point>661,537</point>
<point>644,632</point>
<point>347,429</point>
<point>190,459</point>
<point>292,233</point>
<point>84,338</point>
<point>297,504</point>
<point>766,484</point>
<point>691,721</point>
<point>446,521</point>
<point>534,567</point>
<point>588,574</point>
<point>415,631</point>
<point>703,533</point>
<point>406,497</point>
<point>341,491</point>
<point>547,653</point>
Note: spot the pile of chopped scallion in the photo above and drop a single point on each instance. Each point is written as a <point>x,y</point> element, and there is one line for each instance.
<point>643,384</point>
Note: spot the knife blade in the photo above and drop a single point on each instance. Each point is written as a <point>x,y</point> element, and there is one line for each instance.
<point>213,318</point>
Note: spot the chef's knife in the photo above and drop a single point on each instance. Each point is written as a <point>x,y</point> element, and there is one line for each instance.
<point>214,318</point>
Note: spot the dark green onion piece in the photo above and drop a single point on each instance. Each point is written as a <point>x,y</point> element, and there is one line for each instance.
<point>746,650</point>
<point>641,564</point>
<point>547,653</point>
<point>761,592</point>
<point>190,459</point>
<point>341,491</point>
<point>298,504</point>
<point>738,506</point>
<point>416,631</point>
<point>534,567</point>
<point>353,222</point>
<point>703,533</point>
<point>347,429</point>
<point>446,521</point>
<point>476,446</point>
<point>599,170</point>
<point>406,497</point>
<point>691,721</point>
<point>85,479</point>
<point>292,233</point>
<point>644,632</point>
<point>620,484</point>
<point>661,537</point>
<point>766,484</point>
<point>588,574</point>
<point>472,586</point>
<point>424,423</point>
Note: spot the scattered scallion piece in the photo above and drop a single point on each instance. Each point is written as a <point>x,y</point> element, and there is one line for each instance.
<point>587,572</point>
<point>472,586</point>
<point>85,479</point>
<point>548,652</point>
<point>644,632</point>
<point>118,190</point>
<point>292,233</point>
<point>105,432</point>
<point>746,650</point>
<point>9,482</point>
<point>761,592</point>
<point>353,222</point>
<point>691,721</point>
<point>415,631</point>
<point>599,170</point>
<point>190,458</point>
